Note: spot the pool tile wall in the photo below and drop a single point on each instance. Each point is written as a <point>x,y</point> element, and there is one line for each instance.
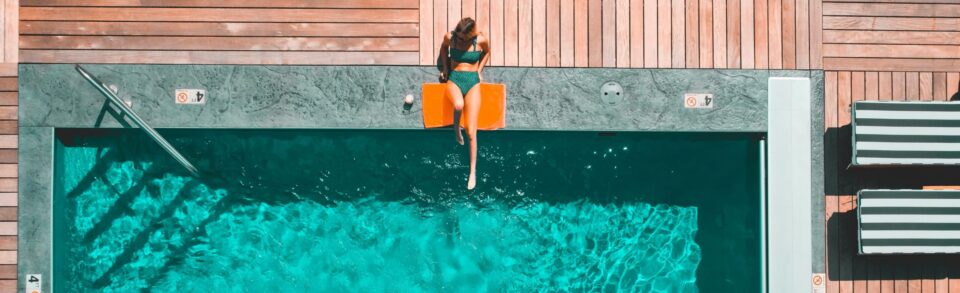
<point>371,97</point>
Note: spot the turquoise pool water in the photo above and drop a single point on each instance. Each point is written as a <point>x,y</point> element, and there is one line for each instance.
<point>373,211</point>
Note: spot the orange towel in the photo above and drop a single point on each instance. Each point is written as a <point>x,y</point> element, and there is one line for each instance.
<point>438,111</point>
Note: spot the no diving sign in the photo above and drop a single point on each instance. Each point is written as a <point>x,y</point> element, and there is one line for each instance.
<point>190,96</point>
<point>819,282</point>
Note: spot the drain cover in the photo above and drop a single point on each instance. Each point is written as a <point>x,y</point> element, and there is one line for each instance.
<point>611,92</point>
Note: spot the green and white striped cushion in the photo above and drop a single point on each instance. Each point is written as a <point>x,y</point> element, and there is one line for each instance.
<point>892,133</point>
<point>908,221</point>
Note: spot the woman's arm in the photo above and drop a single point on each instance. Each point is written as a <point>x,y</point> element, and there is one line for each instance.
<point>485,46</point>
<point>444,58</point>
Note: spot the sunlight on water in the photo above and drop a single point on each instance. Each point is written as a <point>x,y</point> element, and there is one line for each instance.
<point>369,245</point>
<point>385,211</point>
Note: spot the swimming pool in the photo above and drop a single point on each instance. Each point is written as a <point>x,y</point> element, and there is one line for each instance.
<point>366,210</point>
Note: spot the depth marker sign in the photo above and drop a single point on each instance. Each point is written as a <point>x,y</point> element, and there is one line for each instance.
<point>190,96</point>
<point>33,283</point>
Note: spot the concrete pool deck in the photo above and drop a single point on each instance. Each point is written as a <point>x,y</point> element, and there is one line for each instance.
<point>358,97</point>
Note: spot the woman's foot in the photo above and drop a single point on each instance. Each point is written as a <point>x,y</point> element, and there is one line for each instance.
<point>472,182</point>
<point>459,135</point>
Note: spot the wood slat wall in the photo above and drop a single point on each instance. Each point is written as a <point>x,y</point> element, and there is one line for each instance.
<point>761,34</point>
<point>892,35</point>
<point>220,32</point>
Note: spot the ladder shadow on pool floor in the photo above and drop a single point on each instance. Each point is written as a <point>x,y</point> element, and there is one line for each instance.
<point>143,237</point>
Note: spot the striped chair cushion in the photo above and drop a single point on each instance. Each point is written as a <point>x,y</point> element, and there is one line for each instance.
<point>909,221</point>
<point>891,133</point>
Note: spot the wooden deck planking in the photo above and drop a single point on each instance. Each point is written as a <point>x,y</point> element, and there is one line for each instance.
<point>926,86</point>
<point>440,27</point>
<point>844,256</point>
<point>692,34</point>
<point>595,34</point>
<point>237,29</point>
<point>678,29</point>
<point>953,84</point>
<point>803,33</point>
<point>374,4</point>
<point>138,14</point>
<point>706,34</point>
<point>8,156</point>
<point>454,12</point>
<point>623,33</point>
<point>899,84</point>
<point>775,33</point>
<point>891,23</point>
<point>816,34</point>
<point>719,30</point>
<point>789,28</point>
<point>553,32</point>
<point>482,15</point>
<point>831,204</point>
<point>873,266</point>
<point>426,45</point>
<point>8,272</point>
<point>912,86</point>
<point>664,34</point>
<point>747,35</point>
<point>891,37</point>
<point>218,57</point>
<point>538,33</point>
<point>871,86</point>
<point>609,31</point>
<point>219,43</point>
<point>885,85</point>
<point>468,8</point>
<point>734,31</point>
<point>636,33</point>
<point>581,48</point>
<point>497,37</point>
<point>511,33</point>
<point>913,36</point>
<point>892,51</point>
<point>761,45</point>
<point>858,264</point>
<point>927,284</point>
<point>567,42</point>
<point>891,64</point>
<point>892,9</point>
<point>650,33</point>
<point>524,34</point>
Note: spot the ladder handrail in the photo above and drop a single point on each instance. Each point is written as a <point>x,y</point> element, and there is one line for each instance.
<point>139,121</point>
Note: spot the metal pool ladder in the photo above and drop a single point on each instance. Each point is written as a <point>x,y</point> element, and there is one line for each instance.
<point>112,97</point>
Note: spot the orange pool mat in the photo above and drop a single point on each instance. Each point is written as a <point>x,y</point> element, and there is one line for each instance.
<point>438,111</point>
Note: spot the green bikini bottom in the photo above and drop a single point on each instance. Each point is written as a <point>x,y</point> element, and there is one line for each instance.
<point>465,80</point>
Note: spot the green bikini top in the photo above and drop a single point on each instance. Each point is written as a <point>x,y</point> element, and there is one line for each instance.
<point>472,56</point>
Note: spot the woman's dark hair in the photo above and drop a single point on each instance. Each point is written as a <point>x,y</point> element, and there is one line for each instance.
<point>465,25</point>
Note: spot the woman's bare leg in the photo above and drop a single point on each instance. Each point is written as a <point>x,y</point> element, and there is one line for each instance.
<point>456,98</point>
<point>473,114</point>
